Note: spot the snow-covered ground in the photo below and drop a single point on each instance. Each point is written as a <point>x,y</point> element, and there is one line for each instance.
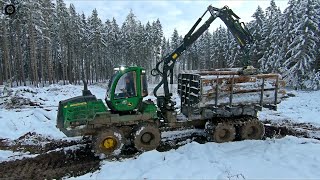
<point>286,158</point>
<point>21,120</point>
<point>303,108</point>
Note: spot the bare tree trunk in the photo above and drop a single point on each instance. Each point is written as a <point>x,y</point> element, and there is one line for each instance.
<point>45,72</point>
<point>48,59</point>
<point>33,53</point>
<point>19,54</point>
<point>63,64</point>
<point>12,55</point>
<point>70,63</point>
<point>55,67</point>
<point>1,71</point>
<point>43,62</point>
<point>6,68</point>
<point>79,64</point>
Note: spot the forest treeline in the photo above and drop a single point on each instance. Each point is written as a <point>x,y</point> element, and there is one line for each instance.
<point>46,42</point>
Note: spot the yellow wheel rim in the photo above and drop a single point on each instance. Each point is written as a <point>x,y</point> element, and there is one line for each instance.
<point>109,143</point>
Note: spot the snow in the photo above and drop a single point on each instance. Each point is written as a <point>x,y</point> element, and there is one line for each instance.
<point>10,155</point>
<point>119,136</point>
<point>25,120</point>
<point>303,108</point>
<point>21,120</point>
<point>289,158</point>
<point>139,131</point>
<point>286,158</point>
<point>171,135</point>
<point>212,77</point>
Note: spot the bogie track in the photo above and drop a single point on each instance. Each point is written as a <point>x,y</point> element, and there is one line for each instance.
<point>141,137</point>
<point>230,129</point>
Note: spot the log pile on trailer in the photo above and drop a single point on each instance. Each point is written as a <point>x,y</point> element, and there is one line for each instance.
<point>221,90</point>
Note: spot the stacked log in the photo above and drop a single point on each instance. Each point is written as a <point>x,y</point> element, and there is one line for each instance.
<point>231,87</point>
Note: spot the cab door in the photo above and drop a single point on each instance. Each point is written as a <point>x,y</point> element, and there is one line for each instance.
<point>127,96</point>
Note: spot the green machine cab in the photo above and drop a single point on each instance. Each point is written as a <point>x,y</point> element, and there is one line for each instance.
<point>126,89</point>
<point>125,93</point>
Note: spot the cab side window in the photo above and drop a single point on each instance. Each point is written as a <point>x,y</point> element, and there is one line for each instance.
<point>144,85</point>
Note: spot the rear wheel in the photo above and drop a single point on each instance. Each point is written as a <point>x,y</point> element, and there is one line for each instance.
<point>223,132</point>
<point>252,130</point>
<point>109,142</point>
<point>146,137</point>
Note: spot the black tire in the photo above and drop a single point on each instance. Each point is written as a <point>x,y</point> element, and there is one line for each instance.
<point>113,138</point>
<point>252,130</point>
<point>146,137</point>
<point>223,132</point>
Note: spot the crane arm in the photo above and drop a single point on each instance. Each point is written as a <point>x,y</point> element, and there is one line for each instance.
<point>239,31</point>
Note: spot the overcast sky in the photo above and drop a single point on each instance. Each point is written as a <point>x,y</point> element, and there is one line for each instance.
<point>173,14</point>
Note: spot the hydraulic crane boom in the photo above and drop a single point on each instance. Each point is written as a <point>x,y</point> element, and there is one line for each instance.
<point>239,31</point>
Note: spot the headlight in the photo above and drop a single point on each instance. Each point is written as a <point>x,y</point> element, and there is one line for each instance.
<point>122,68</point>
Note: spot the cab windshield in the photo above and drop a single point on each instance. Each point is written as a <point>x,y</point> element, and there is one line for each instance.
<point>125,86</point>
<point>111,81</point>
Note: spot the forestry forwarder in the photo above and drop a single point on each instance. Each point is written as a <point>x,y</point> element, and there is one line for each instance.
<point>130,120</point>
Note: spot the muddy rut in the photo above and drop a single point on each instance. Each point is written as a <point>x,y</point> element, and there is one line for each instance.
<point>59,159</point>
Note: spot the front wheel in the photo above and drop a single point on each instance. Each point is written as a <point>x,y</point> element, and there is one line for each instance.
<point>109,142</point>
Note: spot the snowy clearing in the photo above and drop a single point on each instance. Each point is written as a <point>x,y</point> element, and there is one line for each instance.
<point>289,157</point>
<point>303,108</point>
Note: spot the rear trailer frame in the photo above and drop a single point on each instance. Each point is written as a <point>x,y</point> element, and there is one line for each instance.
<point>227,93</point>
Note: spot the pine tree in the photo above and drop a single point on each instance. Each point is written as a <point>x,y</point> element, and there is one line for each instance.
<point>257,51</point>
<point>74,40</point>
<point>289,19</point>
<point>128,30</point>
<point>5,51</point>
<point>140,47</point>
<point>205,51</point>
<point>48,20</point>
<point>174,43</point>
<point>156,35</point>
<point>302,50</point>
<point>85,51</point>
<point>220,39</point>
<point>95,46</point>
<point>32,46</point>
<point>276,53</point>
<point>315,78</point>
<point>62,29</point>
<point>116,42</point>
<point>174,40</point>
<point>47,42</point>
<point>271,30</point>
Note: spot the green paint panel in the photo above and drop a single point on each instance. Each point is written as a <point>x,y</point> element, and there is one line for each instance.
<point>148,107</point>
<point>81,112</point>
